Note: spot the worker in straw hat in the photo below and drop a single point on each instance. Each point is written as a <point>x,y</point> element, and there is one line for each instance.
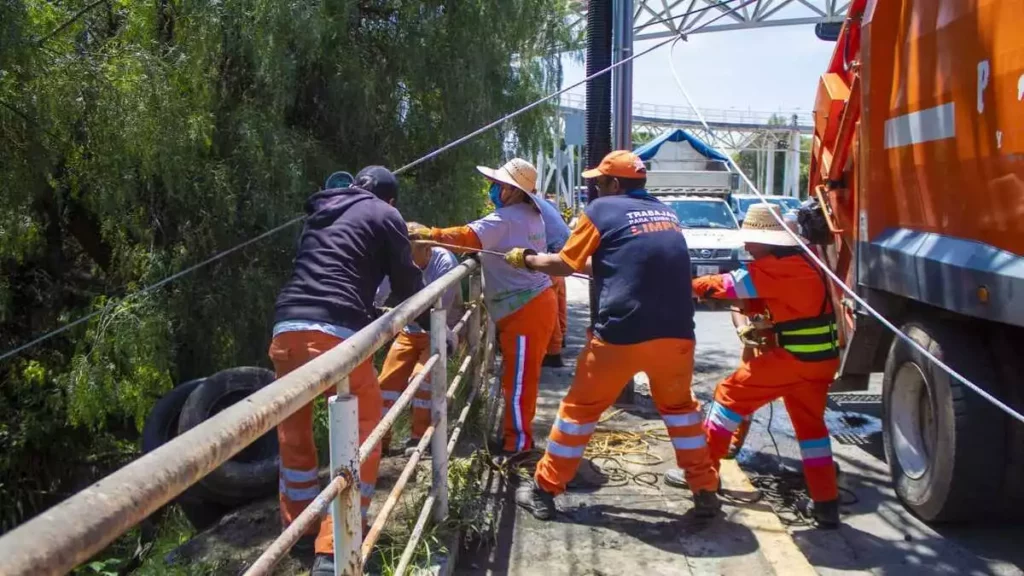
<point>521,302</point>
<point>799,357</point>
<point>633,245</point>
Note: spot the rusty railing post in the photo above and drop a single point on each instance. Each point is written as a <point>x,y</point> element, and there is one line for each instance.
<point>346,514</point>
<point>473,339</point>
<point>439,409</point>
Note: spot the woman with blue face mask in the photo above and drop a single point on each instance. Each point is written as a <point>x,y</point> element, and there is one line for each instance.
<point>522,303</point>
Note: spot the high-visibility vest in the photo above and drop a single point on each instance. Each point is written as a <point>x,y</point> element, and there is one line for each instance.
<point>809,339</point>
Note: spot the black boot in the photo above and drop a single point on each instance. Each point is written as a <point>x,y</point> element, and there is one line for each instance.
<point>553,361</point>
<point>533,498</point>
<point>823,514</point>
<point>706,504</point>
<point>323,565</point>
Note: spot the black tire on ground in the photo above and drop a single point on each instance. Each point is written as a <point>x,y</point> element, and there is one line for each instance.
<point>252,473</point>
<point>956,471</point>
<point>161,426</point>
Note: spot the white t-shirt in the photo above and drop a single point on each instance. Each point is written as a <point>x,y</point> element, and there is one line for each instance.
<point>506,288</point>
<point>441,262</point>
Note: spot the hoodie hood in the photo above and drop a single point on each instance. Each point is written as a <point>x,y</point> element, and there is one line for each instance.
<point>325,206</point>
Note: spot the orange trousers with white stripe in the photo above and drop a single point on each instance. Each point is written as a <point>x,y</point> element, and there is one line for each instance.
<point>803,387</point>
<point>406,357</point>
<point>298,485</point>
<point>524,336</point>
<point>562,319</point>
<point>602,370</point>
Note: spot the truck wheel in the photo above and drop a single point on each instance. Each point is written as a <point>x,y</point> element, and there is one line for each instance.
<point>252,473</point>
<point>943,441</point>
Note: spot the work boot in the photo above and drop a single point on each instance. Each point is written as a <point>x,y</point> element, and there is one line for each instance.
<point>323,565</point>
<point>706,504</point>
<point>823,514</point>
<point>553,361</point>
<point>533,498</point>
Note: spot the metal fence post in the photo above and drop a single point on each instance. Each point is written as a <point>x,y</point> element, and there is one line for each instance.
<point>439,409</point>
<point>343,421</point>
<point>473,339</point>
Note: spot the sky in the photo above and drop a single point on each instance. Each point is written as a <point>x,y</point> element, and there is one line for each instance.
<point>766,69</point>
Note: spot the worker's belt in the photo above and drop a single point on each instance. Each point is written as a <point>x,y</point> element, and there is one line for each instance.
<point>809,339</point>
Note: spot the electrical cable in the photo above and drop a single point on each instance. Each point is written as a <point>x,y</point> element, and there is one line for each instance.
<point>832,275</point>
<point>408,166</point>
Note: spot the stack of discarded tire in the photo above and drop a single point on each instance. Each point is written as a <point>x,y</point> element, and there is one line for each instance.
<point>250,475</point>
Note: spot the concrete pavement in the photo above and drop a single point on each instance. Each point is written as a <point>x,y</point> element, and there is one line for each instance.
<point>639,529</point>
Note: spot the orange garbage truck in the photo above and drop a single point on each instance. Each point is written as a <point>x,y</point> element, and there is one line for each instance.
<point>918,168</point>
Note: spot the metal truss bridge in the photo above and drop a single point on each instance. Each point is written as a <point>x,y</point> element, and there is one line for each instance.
<point>663,18</point>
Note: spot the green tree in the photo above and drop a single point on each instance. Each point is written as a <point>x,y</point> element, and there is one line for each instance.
<point>140,137</point>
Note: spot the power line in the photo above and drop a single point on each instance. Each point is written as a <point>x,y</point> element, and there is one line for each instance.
<point>835,278</point>
<point>298,219</point>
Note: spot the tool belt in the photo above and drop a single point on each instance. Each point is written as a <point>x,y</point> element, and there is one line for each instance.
<point>809,339</point>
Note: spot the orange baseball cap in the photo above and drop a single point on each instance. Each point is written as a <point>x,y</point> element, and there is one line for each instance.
<point>619,164</point>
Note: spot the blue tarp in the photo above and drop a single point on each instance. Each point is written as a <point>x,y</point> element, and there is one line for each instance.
<point>650,150</point>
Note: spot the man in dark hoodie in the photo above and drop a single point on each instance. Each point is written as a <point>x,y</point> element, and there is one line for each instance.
<point>353,238</point>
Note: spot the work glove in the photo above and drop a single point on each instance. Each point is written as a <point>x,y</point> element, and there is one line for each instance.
<point>419,234</point>
<point>750,336</point>
<point>516,257</point>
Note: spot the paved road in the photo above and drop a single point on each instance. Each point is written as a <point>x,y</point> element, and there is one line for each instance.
<point>878,535</point>
<point>636,529</point>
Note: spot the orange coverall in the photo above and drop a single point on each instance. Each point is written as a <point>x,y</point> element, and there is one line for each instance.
<point>562,324</point>
<point>799,369</point>
<point>299,484</point>
<point>603,369</point>
<point>523,336</point>
<point>406,357</point>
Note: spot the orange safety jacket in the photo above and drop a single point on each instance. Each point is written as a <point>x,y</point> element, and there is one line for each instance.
<point>794,293</point>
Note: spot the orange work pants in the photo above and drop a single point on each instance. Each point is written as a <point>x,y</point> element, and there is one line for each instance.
<point>561,326</point>
<point>803,387</point>
<point>523,337</point>
<point>298,485</point>
<point>601,372</point>
<point>406,357</point>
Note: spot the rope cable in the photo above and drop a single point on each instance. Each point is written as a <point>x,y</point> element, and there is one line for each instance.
<point>431,155</point>
<point>832,275</point>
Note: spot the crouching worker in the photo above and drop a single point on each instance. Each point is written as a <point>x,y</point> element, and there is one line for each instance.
<point>522,303</point>
<point>641,265</point>
<point>797,365</point>
<point>353,237</point>
<point>411,348</point>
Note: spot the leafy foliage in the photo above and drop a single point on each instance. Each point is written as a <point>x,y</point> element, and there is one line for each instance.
<point>140,137</point>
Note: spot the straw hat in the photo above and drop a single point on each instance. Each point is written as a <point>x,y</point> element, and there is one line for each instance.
<point>516,172</point>
<point>760,226</point>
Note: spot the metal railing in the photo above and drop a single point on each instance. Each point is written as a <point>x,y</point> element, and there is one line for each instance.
<point>725,117</point>
<point>71,532</point>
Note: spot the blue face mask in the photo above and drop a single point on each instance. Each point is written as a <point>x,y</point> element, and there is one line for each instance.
<point>495,194</point>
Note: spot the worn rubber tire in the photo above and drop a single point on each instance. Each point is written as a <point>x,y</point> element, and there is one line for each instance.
<point>963,473</point>
<point>252,473</point>
<point>161,426</point>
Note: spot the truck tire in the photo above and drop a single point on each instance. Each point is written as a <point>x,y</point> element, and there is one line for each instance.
<point>252,473</point>
<point>161,426</point>
<point>943,441</point>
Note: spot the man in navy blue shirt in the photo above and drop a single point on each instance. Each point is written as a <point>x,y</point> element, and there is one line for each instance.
<point>634,249</point>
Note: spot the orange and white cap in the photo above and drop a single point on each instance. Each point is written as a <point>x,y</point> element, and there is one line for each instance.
<point>619,164</point>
